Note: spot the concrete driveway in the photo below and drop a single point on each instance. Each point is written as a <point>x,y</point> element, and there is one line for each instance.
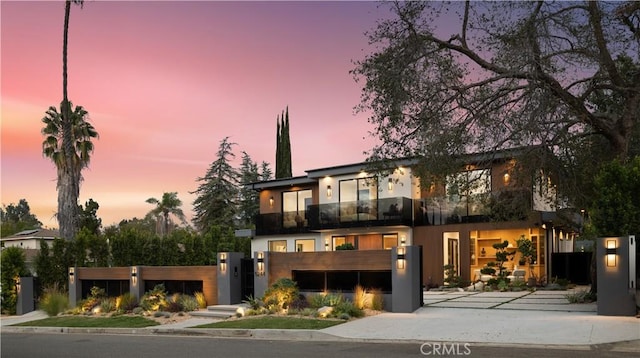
<point>540,300</point>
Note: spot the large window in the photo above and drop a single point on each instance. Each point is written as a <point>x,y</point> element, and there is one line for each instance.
<point>306,245</point>
<point>295,205</point>
<point>278,245</point>
<point>358,199</point>
<point>468,191</point>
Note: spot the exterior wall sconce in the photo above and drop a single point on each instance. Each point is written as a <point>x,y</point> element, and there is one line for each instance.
<point>326,245</point>
<point>260,261</point>
<point>134,275</point>
<point>390,185</point>
<point>401,258</point>
<point>223,262</point>
<point>72,272</point>
<point>403,241</point>
<point>271,202</point>
<point>611,253</point>
<point>18,284</point>
<point>329,191</point>
<point>506,179</point>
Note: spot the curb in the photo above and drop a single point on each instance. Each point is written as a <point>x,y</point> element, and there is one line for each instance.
<point>300,335</point>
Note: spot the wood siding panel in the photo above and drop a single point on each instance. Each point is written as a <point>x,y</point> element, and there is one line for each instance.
<point>282,264</point>
<point>103,273</point>
<point>207,274</point>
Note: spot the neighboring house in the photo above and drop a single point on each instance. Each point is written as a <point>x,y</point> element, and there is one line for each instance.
<point>456,223</point>
<point>30,240</point>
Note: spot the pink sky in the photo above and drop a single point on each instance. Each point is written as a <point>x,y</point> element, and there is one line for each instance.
<point>164,82</point>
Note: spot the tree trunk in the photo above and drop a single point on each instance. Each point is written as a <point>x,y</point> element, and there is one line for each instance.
<point>67,186</point>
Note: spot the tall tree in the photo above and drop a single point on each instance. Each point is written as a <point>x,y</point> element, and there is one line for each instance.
<point>168,205</point>
<point>63,128</point>
<point>283,147</point>
<point>265,171</point>
<point>68,171</point>
<point>216,203</point>
<point>88,217</point>
<point>249,205</point>
<point>17,217</point>
<point>517,74</point>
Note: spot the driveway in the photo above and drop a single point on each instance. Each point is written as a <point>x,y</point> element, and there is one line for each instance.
<point>540,300</point>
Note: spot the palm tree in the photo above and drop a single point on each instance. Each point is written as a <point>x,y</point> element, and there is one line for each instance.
<point>68,171</point>
<point>170,204</point>
<point>68,185</point>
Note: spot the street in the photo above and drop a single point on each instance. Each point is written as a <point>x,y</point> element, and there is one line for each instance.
<point>19,345</point>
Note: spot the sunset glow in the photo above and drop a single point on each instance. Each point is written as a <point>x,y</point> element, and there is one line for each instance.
<point>165,82</point>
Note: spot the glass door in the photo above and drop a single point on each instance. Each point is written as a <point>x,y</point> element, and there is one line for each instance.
<point>451,251</point>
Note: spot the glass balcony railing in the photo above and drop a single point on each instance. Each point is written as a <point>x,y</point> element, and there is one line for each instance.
<point>509,205</point>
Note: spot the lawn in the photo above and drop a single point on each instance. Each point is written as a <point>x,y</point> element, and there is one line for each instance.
<point>274,322</point>
<point>92,322</point>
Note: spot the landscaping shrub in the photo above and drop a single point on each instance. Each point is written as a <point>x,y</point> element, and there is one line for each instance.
<point>345,246</point>
<point>280,295</point>
<point>107,305</point>
<point>360,297</point>
<point>154,300</point>
<point>126,302</point>
<point>377,300</point>
<point>253,302</point>
<point>582,296</point>
<point>54,301</point>
<point>328,299</point>
<point>347,307</point>
<point>202,302</point>
<point>299,303</point>
<point>173,303</point>
<point>188,303</point>
<point>96,296</point>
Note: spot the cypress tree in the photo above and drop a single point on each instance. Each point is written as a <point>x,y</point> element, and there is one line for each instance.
<point>283,147</point>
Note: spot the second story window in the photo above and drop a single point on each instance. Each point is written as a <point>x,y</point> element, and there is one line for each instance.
<point>295,205</point>
<point>468,184</point>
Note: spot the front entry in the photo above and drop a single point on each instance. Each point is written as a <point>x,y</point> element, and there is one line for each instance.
<point>451,250</point>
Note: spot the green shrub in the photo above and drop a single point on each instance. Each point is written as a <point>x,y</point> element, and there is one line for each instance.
<point>280,295</point>
<point>253,302</point>
<point>202,301</point>
<point>126,302</point>
<point>345,246</point>
<point>155,299</point>
<point>582,296</point>
<point>347,307</point>
<point>107,305</point>
<point>54,301</point>
<point>325,299</point>
<point>188,303</point>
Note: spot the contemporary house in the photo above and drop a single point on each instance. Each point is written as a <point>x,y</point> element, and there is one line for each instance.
<point>456,223</point>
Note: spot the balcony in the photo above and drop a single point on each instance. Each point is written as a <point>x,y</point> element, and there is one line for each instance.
<point>362,213</point>
<point>506,205</point>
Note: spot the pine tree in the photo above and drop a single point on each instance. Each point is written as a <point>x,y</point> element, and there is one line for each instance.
<point>265,172</point>
<point>249,204</point>
<point>217,195</point>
